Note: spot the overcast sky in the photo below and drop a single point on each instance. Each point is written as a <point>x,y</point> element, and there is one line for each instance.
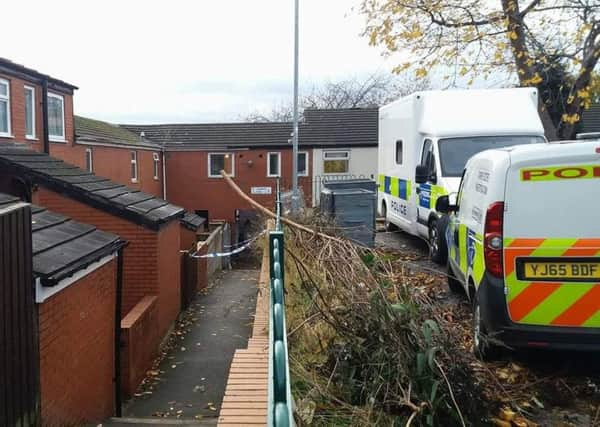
<point>185,61</point>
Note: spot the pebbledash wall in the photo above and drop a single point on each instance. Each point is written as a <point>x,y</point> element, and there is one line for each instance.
<point>189,186</point>
<point>76,336</point>
<point>151,263</point>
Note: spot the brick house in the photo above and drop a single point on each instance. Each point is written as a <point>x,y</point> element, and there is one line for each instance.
<point>333,144</point>
<point>150,225</point>
<point>35,109</point>
<point>76,287</point>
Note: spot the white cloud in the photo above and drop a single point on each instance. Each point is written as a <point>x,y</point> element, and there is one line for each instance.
<point>157,61</point>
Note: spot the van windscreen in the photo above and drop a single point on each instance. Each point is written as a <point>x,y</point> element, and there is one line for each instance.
<point>455,152</point>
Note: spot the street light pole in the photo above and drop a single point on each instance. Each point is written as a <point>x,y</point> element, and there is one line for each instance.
<point>295,194</point>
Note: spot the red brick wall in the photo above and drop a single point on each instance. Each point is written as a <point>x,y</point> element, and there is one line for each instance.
<point>17,109</point>
<point>139,343</point>
<point>169,274</point>
<point>188,184</point>
<point>77,350</point>
<point>146,268</point>
<point>115,163</point>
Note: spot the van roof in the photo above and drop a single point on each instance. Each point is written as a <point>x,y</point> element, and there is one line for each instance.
<point>553,152</point>
<point>478,112</point>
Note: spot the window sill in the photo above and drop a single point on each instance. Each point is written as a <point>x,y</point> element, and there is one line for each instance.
<point>6,135</point>
<point>31,138</point>
<point>58,140</point>
<point>135,181</point>
<point>273,176</point>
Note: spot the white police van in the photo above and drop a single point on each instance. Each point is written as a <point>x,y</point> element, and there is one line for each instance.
<point>524,243</point>
<point>426,138</point>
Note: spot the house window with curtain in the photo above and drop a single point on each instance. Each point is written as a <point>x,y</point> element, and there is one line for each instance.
<point>336,161</point>
<point>29,112</point>
<point>302,163</point>
<point>274,164</point>
<point>134,167</point>
<point>218,162</point>
<point>56,117</point>
<point>5,108</point>
<point>156,160</point>
<point>89,162</point>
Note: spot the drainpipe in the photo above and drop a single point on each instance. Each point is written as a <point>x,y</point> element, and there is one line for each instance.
<point>164,173</point>
<point>118,304</point>
<point>45,132</point>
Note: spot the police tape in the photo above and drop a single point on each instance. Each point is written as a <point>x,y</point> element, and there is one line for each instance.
<point>242,248</point>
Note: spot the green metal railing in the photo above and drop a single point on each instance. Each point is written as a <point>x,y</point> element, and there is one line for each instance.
<point>280,395</point>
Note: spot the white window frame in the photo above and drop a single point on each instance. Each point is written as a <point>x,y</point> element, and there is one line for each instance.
<point>6,98</point>
<point>156,165</point>
<point>133,157</point>
<point>307,157</point>
<point>345,157</point>
<point>59,138</point>
<point>278,154</point>
<point>90,153</point>
<point>32,135</point>
<point>221,153</point>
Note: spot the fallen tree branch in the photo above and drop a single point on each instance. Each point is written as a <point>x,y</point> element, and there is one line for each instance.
<point>271,214</point>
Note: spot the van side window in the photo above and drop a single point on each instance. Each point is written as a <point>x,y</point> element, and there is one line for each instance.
<point>399,152</point>
<point>461,188</point>
<point>427,157</point>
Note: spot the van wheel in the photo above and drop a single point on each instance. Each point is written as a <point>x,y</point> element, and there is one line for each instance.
<point>387,224</point>
<point>453,283</point>
<point>438,248</point>
<point>483,347</point>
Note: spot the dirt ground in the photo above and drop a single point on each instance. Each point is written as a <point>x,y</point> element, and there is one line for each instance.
<point>548,388</point>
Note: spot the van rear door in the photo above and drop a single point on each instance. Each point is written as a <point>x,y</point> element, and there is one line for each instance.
<point>552,242</point>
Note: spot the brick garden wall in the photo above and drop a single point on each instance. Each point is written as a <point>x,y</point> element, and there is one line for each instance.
<point>77,350</point>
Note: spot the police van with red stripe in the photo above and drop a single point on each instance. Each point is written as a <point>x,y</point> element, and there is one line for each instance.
<point>524,244</point>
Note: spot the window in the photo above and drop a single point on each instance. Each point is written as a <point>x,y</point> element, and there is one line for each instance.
<point>302,163</point>
<point>399,152</point>
<point>156,160</point>
<point>454,152</point>
<point>56,117</point>
<point>218,162</point>
<point>89,163</point>
<point>336,161</point>
<point>428,157</point>
<point>29,112</point>
<point>274,164</point>
<point>134,168</point>
<point>4,108</point>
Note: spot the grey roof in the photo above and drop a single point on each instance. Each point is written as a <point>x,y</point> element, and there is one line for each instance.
<point>61,246</point>
<point>192,221</point>
<point>19,70</point>
<point>590,121</point>
<point>130,204</point>
<point>320,128</point>
<point>90,130</point>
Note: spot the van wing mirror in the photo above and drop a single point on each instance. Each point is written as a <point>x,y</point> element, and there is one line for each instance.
<point>443,205</point>
<point>421,174</point>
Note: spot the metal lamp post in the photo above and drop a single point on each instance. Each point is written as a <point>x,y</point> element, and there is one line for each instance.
<point>295,193</point>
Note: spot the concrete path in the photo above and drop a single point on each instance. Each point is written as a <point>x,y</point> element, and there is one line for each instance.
<point>193,376</point>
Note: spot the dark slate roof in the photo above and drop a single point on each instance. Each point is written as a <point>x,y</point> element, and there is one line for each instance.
<point>590,120</point>
<point>192,221</point>
<point>135,206</point>
<point>10,67</point>
<point>61,246</point>
<point>89,130</point>
<point>320,128</point>
<point>340,127</point>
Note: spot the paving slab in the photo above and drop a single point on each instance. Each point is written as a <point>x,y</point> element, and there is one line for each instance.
<point>195,372</point>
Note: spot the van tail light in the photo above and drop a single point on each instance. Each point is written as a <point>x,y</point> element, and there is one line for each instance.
<point>492,243</point>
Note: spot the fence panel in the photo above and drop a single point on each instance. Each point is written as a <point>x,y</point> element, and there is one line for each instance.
<point>19,353</point>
